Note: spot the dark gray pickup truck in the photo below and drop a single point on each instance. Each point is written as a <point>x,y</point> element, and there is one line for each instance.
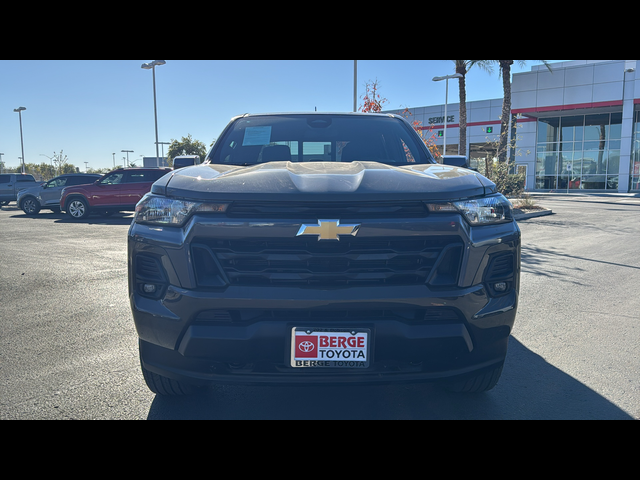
<point>322,249</point>
<point>12,183</point>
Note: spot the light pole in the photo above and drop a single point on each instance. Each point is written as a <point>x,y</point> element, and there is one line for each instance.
<point>19,110</point>
<point>163,144</point>
<point>114,160</point>
<point>1,163</point>
<point>446,100</point>
<point>127,151</point>
<point>355,84</point>
<point>53,170</point>
<point>152,66</point>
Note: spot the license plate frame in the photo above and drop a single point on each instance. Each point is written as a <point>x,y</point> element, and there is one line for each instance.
<point>325,349</point>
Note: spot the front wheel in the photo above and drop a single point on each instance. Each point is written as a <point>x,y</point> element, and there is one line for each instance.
<point>77,208</point>
<point>482,382</point>
<point>164,386</point>
<point>30,206</point>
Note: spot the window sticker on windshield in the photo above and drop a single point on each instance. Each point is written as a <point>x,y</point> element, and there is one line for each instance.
<point>256,136</point>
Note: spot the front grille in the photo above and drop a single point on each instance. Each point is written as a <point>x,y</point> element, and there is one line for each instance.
<point>433,315</point>
<point>300,261</point>
<point>298,210</point>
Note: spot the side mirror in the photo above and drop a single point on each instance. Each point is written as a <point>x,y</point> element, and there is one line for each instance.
<point>455,161</point>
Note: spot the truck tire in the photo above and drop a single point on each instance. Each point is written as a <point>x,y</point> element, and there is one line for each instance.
<point>30,205</point>
<point>482,382</point>
<point>78,208</point>
<point>164,386</point>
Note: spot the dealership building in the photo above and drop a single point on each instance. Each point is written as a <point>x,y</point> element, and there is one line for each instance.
<point>578,126</point>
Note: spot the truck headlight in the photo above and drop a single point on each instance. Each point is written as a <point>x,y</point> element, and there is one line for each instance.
<point>171,212</point>
<point>486,210</point>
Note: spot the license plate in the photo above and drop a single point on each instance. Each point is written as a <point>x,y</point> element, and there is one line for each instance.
<point>330,347</point>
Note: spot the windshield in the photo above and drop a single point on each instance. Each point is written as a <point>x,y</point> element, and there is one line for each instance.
<point>319,138</point>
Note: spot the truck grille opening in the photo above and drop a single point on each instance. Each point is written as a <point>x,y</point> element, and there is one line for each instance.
<point>435,315</point>
<point>358,210</point>
<point>348,262</point>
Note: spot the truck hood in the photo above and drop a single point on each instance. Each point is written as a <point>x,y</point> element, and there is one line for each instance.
<point>277,181</point>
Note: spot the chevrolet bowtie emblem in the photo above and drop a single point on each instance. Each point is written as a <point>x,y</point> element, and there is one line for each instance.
<point>328,229</point>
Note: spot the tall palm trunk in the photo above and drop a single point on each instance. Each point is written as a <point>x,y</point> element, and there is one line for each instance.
<point>505,67</point>
<point>463,67</point>
<point>462,144</point>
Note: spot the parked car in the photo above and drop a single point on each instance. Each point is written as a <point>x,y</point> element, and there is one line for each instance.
<point>322,249</point>
<point>47,195</point>
<point>117,191</point>
<point>11,184</point>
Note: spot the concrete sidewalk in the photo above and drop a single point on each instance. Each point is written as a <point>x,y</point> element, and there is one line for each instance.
<point>626,198</point>
<point>610,198</point>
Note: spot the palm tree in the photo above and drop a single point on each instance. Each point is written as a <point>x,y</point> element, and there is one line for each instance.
<point>462,67</point>
<point>505,71</point>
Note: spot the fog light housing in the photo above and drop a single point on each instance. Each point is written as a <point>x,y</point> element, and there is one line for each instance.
<point>500,287</point>
<point>149,288</point>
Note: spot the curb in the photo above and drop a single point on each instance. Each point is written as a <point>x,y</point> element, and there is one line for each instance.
<point>525,216</point>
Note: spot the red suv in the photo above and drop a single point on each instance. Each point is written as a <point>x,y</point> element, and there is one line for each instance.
<point>117,191</point>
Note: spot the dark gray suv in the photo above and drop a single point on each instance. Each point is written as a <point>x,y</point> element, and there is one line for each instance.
<point>47,195</point>
<point>322,249</point>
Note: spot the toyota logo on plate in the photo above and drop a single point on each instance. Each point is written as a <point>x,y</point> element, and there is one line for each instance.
<point>306,346</point>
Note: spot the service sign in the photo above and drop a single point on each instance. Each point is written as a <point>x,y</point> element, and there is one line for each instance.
<point>336,348</point>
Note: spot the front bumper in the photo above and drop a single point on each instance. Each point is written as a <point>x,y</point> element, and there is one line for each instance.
<point>242,334</point>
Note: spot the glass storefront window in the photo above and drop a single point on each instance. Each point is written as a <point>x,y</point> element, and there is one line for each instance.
<point>634,176</point>
<point>581,152</point>
<point>548,129</point>
<point>572,128</point>
<point>547,164</point>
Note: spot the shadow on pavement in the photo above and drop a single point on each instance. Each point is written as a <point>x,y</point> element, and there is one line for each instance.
<point>119,218</point>
<point>530,389</point>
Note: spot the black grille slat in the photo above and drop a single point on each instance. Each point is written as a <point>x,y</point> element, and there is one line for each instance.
<point>429,315</point>
<point>351,261</point>
<point>327,210</point>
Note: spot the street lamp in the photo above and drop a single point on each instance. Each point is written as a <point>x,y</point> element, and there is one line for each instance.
<point>163,144</point>
<point>152,66</point>
<point>446,100</point>
<point>19,110</point>
<point>127,151</point>
<point>355,83</point>
<point>114,160</point>
<point>50,158</point>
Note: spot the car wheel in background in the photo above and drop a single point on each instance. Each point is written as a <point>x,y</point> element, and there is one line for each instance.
<point>77,208</point>
<point>30,206</point>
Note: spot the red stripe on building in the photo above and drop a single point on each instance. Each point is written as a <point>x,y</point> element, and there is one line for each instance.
<point>575,106</point>
<point>475,124</point>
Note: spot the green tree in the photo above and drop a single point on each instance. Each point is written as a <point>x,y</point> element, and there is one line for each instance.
<point>186,146</point>
<point>462,67</point>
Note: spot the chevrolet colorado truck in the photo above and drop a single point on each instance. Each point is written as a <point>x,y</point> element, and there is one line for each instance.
<point>322,249</point>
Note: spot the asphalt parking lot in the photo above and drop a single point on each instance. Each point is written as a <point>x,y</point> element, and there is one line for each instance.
<point>68,346</point>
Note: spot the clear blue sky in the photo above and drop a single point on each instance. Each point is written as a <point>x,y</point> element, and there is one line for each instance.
<point>90,109</point>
